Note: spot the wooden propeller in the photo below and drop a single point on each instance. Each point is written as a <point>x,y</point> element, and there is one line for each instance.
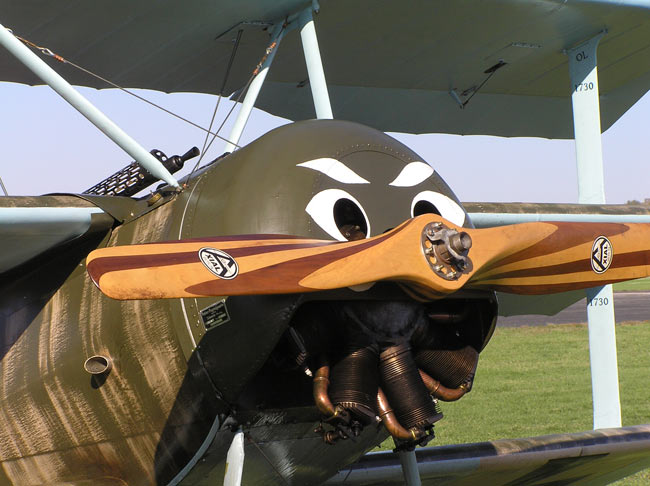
<point>427,253</point>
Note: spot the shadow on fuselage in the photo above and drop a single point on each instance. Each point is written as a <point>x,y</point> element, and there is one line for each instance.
<point>26,290</point>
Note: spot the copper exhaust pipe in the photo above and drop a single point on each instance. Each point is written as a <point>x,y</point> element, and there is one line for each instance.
<point>321,383</point>
<point>440,391</point>
<point>390,420</point>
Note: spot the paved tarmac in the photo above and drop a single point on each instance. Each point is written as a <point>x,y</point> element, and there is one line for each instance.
<point>628,306</point>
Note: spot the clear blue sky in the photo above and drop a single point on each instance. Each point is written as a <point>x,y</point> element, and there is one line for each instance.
<point>48,147</point>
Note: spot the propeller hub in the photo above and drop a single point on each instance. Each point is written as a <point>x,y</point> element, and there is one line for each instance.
<point>447,250</point>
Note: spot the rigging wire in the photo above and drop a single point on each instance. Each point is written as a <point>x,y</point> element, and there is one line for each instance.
<point>232,108</point>
<point>47,52</point>
<point>256,71</point>
<point>223,86</point>
<point>4,189</point>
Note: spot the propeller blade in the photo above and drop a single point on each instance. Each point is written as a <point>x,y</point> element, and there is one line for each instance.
<point>259,264</point>
<point>545,258</point>
<point>428,253</point>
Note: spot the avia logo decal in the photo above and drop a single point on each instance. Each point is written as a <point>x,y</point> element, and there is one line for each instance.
<point>602,254</point>
<point>219,262</point>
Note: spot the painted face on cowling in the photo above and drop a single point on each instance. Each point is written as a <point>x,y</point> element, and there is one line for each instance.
<point>343,216</point>
<point>325,179</point>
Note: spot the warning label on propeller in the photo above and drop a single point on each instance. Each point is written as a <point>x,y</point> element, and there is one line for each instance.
<point>602,254</point>
<point>219,262</point>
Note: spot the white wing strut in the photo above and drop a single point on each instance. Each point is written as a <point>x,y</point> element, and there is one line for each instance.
<point>591,190</point>
<point>87,109</point>
<point>235,461</point>
<point>315,70</point>
<point>410,469</point>
<point>253,92</point>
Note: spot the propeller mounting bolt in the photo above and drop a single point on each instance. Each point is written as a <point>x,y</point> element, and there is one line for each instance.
<point>460,242</point>
<point>447,250</point>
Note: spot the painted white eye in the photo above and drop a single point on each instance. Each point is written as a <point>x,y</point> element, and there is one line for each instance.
<point>436,203</point>
<point>339,214</point>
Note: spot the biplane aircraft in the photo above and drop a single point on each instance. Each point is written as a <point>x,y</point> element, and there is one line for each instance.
<point>284,308</point>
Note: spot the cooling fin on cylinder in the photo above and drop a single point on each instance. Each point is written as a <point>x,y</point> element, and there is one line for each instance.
<point>386,360</point>
<point>354,380</point>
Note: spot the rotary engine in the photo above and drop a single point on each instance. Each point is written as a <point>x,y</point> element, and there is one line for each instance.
<point>378,362</point>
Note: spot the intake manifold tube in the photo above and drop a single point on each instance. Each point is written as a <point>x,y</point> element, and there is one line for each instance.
<point>321,384</point>
<point>391,423</point>
<point>440,391</point>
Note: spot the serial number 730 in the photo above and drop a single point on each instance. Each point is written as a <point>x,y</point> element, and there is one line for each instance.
<point>583,86</point>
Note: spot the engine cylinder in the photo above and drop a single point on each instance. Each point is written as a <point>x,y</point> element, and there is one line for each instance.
<point>354,380</point>
<point>451,367</point>
<point>404,388</point>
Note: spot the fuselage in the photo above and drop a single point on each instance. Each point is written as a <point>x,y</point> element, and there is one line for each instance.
<point>184,374</point>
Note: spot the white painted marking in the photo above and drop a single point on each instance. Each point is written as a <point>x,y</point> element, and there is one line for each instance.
<point>447,207</point>
<point>335,170</point>
<point>187,324</point>
<point>413,174</point>
<point>321,209</point>
<point>182,301</point>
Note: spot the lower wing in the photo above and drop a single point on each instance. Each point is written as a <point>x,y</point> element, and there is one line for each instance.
<point>596,457</point>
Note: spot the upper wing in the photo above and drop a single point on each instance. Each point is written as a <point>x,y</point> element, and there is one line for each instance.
<point>31,225</point>
<point>588,458</point>
<point>390,65</point>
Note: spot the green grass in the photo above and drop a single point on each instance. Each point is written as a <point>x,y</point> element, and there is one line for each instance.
<point>535,381</point>
<point>638,285</point>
